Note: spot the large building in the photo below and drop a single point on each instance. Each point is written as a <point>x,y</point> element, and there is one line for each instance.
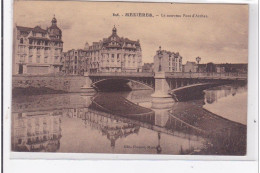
<point>115,54</point>
<point>75,62</point>
<point>37,50</point>
<point>167,61</point>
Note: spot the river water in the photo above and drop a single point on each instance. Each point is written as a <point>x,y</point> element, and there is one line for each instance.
<point>125,122</point>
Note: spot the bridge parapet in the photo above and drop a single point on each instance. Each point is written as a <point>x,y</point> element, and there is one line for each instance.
<point>228,76</point>
<point>123,74</point>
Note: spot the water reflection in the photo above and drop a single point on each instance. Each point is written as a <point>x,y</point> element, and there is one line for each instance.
<point>119,123</point>
<point>214,94</point>
<point>228,101</point>
<point>36,131</point>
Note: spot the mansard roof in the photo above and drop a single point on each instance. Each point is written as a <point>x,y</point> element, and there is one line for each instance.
<point>38,29</point>
<point>55,27</point>
<point>170,53</point>
<point>114,41</point>
<point>25,29</point>
<point>53,30</point>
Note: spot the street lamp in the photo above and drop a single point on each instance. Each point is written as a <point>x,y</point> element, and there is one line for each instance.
<point>198,61</point>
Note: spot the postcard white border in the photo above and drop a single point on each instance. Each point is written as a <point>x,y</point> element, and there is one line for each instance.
<point>252,147</point>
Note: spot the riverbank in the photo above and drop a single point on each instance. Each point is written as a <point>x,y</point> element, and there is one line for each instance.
<point>18,91</point>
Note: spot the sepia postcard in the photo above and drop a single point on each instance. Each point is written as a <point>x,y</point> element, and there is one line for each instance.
<point>129,78</point>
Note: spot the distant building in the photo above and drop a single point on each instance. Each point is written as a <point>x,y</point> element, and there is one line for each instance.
<point>37,50</point>
<point>223,68</point>
<point>220,69</point>
<point>202,68</point>
<point>75,62</point>
<point>210,67</point>
<point>190,67</point>
<point>115,54</point>
<point>240,68</point>
<point>167,61</point>
<point>148,67</point>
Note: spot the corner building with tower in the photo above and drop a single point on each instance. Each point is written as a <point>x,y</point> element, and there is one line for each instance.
<point>37,50</point>
<point>114,54</point>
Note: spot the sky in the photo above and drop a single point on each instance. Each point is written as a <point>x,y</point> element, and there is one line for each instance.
<point>220,37</point>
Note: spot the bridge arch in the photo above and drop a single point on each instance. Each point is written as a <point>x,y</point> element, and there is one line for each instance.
<point>120,83</point>
<point>191,91</point>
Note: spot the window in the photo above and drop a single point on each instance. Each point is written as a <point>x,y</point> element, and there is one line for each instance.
<point>21,58</point>
<point>38,59</point>
<point>20,115</point>
<point>38,51</point>
<point>21,49</point>
<point>38,42</point>
<point>30,51</point>
<point>30,58</point>
<point>21,40</point>
<point>45,59</point>
<point>30,41</point>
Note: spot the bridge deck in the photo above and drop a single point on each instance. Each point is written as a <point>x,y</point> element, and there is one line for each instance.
<point>216,76</point>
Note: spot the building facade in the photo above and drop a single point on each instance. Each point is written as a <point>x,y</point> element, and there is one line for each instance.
<point>37,50</point>
<point>190,67</point>
<point>75,62</point>
<point>115,54</point>
<point>148,67</point>
<point>167,61</point>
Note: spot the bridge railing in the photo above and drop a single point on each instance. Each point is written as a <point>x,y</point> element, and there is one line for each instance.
<point>212,75</point>
<point>206,75</point>
<point>132,74</point>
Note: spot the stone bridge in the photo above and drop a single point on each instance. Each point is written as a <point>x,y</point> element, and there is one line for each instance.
<point>165,84</point>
